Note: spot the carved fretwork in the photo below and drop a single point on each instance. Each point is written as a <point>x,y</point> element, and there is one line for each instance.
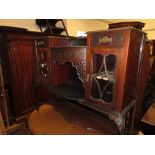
<point>79,65</point>
<point>76,57</point>
<point>81,69</point>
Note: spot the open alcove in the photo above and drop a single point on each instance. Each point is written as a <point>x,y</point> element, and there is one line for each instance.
<point>70,84</point>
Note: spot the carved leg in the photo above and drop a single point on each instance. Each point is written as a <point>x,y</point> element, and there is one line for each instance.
<point>120,122</point>
<point>124,120</point>
<point>129,121</point>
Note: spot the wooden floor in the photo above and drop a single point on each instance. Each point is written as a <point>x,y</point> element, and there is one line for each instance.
<point>147,125</point>
<point>70,119</point>
<point>149,116</point>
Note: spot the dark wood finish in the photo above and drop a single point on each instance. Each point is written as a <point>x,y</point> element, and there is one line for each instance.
<point>121,51</point>
<point>53,50</point>
<point>44,68</point>
<point>20,56</point>
<point>70,58</point>
<point>121,44</point>
<point>144,94</point>
<point>125,72</point>
<point>66,66</point>
<point>137,25</point>
<point>142,82</point>
<point>61,54</point>
<point>152,55</point>
<point>18,62</point>
<point>43,65</point>
<point>132,62</point>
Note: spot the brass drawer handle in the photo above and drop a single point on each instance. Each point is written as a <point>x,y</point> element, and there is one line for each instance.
<point>105,39</point>
<point>40,43</point>
<point>1,94</point>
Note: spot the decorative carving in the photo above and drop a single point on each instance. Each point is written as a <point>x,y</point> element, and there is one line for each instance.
<point>81,69</point>
<point>105,39</point>
<point>102,72</point>
<point>77,59</point>
<point>79,65</point>
<point>112,37</point>
<point>59,54</point>
<point>124,119</point>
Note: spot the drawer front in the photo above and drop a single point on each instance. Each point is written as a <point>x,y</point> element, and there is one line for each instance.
<point>107,38</point>
<point>68,54</point>
<point>41,42</point>
<point>58,41</point>
<point>51,42</point>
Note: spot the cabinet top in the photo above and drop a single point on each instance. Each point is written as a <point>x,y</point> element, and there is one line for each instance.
<point>19,30</point>
<point>135,24</point>
<point>12,28</point>
<point>116,29</point>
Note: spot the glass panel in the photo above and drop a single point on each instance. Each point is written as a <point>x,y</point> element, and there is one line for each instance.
<point>102,79</point>
<point>42,61</point>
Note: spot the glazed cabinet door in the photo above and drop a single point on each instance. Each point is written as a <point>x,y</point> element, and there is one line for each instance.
<point>102,77</point>
<point>21,64</point>
<point>43,65</point>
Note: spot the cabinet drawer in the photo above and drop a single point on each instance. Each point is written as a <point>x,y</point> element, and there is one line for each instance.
<point>41,42</point>
<point>51,42</point>
<point>107,38</point>
<point>68,53</point>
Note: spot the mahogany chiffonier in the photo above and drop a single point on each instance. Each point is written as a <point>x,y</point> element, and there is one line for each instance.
<point>104,74</point>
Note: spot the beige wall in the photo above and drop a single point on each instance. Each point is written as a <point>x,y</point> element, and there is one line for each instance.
<point>150,28</point>
<point>24,23</point>
<point>74,25</point>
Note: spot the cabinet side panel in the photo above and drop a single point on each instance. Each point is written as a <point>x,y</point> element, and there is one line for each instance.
<point>132,68</point>
<point>143,78</point>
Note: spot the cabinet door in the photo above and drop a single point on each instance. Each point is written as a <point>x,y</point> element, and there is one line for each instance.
<point>21,64</point>
<point>102,77</point>
<point>43,65</point>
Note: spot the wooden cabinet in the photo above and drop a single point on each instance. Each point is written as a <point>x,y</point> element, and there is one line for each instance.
<point>102,76</point>
<point>44,67</point>
<point>135,24</point>
<point>112,67</point>
<point>64,64</point>
<point>71,61</point>
<point>115,62</point>
<point>105,74</point>
<point>18,62</point>
<point>21,64</point>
